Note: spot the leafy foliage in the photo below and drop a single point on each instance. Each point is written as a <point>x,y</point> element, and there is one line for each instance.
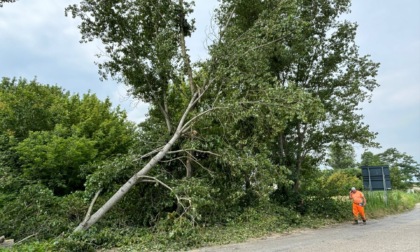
<point>51,137</point>
<point>50,142</point>
<point>341,156</point>
<point>341,181</point>
<point>142,44</point>
<point>56,160</point>
<point>34,210</point>
<point>402,166</point>
<point>29,106</point>
<point>300,45</point>
<point>286,80</point>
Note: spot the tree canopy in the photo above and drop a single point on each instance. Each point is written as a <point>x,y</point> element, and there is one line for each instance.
<point>305,46</point>
<point>52,137</point>
<point>341,156</point>
<point>284,81</point>
<point>404,169</point>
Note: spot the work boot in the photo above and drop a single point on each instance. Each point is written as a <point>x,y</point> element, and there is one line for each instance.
<point>364,222</point>
<point>355,222</point>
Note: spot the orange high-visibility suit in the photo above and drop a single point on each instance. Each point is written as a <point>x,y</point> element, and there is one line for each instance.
<point>359,201</point>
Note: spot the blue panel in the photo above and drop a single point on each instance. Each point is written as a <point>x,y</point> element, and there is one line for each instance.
<point>373,178</point>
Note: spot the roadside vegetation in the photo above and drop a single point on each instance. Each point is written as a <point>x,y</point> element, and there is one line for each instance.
<point>255,222</point>
<point>51,167</point>
<point>382,204</point>
<point>257,139</point>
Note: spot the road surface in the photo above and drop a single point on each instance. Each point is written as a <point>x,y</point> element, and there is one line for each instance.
<point>393,233</point>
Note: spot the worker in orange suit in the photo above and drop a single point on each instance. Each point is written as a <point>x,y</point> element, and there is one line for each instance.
<point>359,203</point>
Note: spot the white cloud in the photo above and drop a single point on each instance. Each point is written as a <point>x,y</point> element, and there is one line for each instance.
<point>138,113</point>
<point>136,110</point>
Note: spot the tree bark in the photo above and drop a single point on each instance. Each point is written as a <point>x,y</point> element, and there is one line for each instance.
<point>188,165</point>
<point>165,114</point>
<point>299,156</point>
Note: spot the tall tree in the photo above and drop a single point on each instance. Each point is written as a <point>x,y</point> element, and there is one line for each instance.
<point>370,159</point>
<point>319,55</point>
<point>145,41</point>
<point>403,167</point>
<point>341,156</point>
<point>145,48</point>
<point>288,71</point>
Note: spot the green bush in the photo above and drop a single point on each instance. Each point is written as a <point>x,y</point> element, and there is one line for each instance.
<point>34,210</point>
<point>340,181</point>
<point>314,201</point>
<point>327,207</point>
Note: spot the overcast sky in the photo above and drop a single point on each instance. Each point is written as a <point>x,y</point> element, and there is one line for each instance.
<point>38,41</point>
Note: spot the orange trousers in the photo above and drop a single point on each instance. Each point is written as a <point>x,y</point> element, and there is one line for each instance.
<point>357,209</point>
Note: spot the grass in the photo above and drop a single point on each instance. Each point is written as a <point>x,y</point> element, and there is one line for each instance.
<point>380,204</point>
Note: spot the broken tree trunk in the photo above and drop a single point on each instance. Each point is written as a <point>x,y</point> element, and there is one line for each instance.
<point>90,220</point>
<point>6,243</point>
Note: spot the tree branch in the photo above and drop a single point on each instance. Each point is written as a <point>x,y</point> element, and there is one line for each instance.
<point>153,179</point>
<point>26,238</point>
<point>87,217</point>
<point>201,151</point>
<point>187,124</point>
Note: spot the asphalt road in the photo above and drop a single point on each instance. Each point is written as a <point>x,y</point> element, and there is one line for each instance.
<point>393,233</point>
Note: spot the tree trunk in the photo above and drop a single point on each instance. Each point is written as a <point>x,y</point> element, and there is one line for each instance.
<point>188,166</point>
<point>182,126</point>
<point>296,185</point>
<point>282,149</point>
<point>91,220</point>
<point>299,156</point>
<point>127,186</point>
<point>165,114</point>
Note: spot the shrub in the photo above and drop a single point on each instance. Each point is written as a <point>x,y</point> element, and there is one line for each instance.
<point>36,211</point>
<point>340,182</point>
